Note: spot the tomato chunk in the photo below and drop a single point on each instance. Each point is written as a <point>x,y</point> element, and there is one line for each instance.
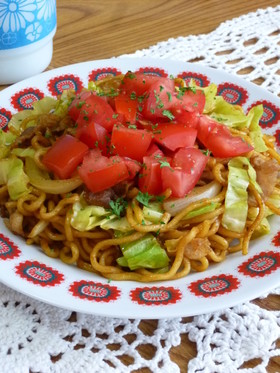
<point>159,100</point>
<point>77,104</point>
<point>129,142</point>
<point>190,100</point>
<point>100,173</point>
<point>127,107</point>
<point>64,156</point>
<point>93,135</point>
<point>184,172</point>
<point>96,109</point>
<point>150,176</point>
<point>154,151</point>
<point>218,138</point>
<point>137,82</point>
<point>174,136</point>
<point>133,167</point>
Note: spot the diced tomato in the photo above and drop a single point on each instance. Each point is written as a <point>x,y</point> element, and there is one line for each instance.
<point>127,107</point>
<point>100,173</point>
<point>137,82</point>
<point>224,145</point>
<point>159,100</point>
<point>174,136</point>
<point>154,150</point>
<point>184,172</point>
<point>176,180</point>
<point>190,160</point>
<point>133,167</point>
<point>187,107</point>
<point>77,104</point>
<point>64,156</point>
<point>189,118</point>
<point>150,176</point>
<point>94,135</point>
<point>96,109</point>
<point>129,142</point>
<point>218,139</point>
<point>191,100</point>
<point>205,126</point>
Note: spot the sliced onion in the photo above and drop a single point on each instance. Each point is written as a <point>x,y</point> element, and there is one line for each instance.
<point>16,220</point>
<point>175,205</point>
<point>38,180</point>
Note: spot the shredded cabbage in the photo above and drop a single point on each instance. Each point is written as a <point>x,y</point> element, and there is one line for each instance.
<point>143,253</point>
<point>203,210</point>
<point>87,217</point>
<point>12,174</point>
<point>236,201</point>
<point>6,138</point>
<point>255,132</point>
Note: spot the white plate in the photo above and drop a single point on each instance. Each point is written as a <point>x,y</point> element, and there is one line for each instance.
<point>237,279</point>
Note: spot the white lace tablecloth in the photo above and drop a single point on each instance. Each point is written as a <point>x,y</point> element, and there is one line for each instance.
<point>36,337</point>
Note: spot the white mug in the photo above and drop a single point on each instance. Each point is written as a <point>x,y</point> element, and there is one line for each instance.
<point>27,28</point>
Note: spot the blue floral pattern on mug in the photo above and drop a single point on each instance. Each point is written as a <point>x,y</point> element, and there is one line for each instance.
<point>24,22</point>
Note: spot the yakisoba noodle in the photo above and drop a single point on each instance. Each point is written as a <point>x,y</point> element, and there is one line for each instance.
<point>192,244</point>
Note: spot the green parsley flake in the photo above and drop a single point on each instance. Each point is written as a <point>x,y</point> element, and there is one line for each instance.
<point>118,207</point>
<point>164,164</point>
<point>144,198</point>
<point>168,114</point>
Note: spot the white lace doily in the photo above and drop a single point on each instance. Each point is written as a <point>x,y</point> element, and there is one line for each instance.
<point>35,337</point>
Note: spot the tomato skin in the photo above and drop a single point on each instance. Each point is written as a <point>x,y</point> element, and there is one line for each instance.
<point>137,82</point>
<point>150,177</point>
<point>174,136</point>
<point>191,101</point>
<point>223,145</point>
<point>205,126</point>
<point>218,139</point>
<point>77,104</point>
<point>126,107</point>
<point>93,135</point>
<point>154,151</point>
<point>190,160</point>
<point>187,107</point>
<point>100,173</point>
<point>128,142</point>
<point>176,180</point>
<point>64,156</point>
<point>159,99</point>
<point>133,167</point>
<point>186,169</point>
<point>97,109</point>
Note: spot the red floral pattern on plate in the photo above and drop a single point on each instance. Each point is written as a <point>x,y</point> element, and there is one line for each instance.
<point>261,264</point>
<point>63,82</point>
<point>8,249</point>
<point>153,71</point>
<point>200,79</point>
<point>271,113</point>
<point>155,296</point>
<point>39,273</point>
<point>213,286</point>
<point>25,99</point>
<point>232,93</point>
<point>5,116</point>
<point>276,240</point>
<point>94,291</point>
<point>99,74</point>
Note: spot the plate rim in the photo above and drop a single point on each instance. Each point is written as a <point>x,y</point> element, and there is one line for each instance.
<point>156,311</point>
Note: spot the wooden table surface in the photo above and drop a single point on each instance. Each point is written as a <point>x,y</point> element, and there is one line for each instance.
<point>94,29</point>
